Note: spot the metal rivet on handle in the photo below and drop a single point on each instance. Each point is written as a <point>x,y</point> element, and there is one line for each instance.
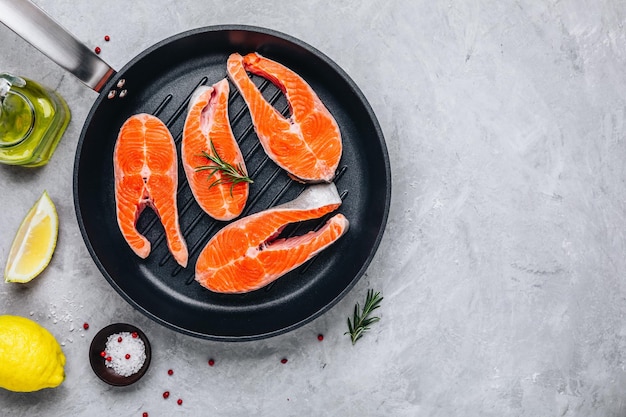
<point>123,93</point>
<point>121,83</point>
<point>111,94</point>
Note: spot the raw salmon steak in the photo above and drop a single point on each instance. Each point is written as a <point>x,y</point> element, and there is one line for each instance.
<point>207,129</point>
<point>247,254</point>
<point>146,174</point>
<point>308,143</point>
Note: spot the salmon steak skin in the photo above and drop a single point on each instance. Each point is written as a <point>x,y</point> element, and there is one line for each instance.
<point>247,254</point>
<point>146,174</point>
<point>207,130</point>
<point>308,143</point>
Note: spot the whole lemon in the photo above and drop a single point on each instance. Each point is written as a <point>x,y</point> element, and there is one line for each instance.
<point>30,357</point>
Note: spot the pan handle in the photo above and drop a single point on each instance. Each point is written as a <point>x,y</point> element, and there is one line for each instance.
<point>45,34</point>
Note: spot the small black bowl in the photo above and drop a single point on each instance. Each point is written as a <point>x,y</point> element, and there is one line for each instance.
<point>107,374</point>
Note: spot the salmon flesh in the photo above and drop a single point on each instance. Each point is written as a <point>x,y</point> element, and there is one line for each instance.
<point>146,174</point>
<point>207,129</point>
<point>308,143</point>
<point>246,254</point>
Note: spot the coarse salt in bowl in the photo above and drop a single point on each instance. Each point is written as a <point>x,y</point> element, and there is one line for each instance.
<point>120,354</point>
<point>125,352</point>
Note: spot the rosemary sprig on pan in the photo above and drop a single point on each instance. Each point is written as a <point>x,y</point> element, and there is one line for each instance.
<point>361,320</point>
<point>231,174</point>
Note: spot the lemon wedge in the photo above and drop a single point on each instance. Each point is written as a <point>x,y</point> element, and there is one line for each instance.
<point>34,242</point>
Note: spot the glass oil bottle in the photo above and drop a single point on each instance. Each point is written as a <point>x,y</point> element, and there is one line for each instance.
<point>33,119</point>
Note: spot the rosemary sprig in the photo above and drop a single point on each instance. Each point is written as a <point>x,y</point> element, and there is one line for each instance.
<point>231,174</point>
<point>361,320</point>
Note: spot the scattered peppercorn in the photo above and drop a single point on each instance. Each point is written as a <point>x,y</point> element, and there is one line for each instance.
<point>97,50</point>
<point>103,354</point>
<point>145,414</point>
<point>107,38</point>
<point>211,362</point>
<point>283,360</point>
<point>320,337</point>
<point>86,326</point>
<point>166,394</point>
<point>179,402</point>
<point>134,335</point>
<point>170,372</point>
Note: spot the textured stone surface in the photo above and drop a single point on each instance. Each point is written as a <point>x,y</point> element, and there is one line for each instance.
<point>502,264</point>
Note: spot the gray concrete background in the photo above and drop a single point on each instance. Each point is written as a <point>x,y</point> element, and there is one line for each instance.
<point>502,264</point>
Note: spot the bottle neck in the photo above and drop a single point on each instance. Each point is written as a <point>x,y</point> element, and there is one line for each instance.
<point>5,87</point>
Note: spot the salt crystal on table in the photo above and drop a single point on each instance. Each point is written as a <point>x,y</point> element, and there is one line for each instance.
<point>127,353</point>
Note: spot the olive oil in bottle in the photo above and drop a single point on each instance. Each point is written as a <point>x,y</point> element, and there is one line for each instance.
<point>32,121</point>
